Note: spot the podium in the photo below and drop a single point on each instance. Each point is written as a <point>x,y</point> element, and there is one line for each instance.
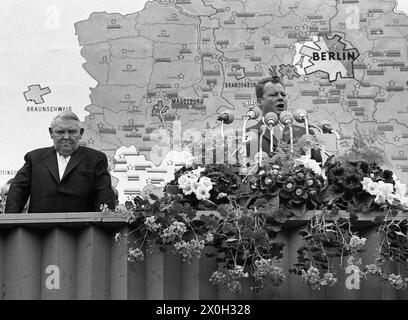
<point>75,256</point>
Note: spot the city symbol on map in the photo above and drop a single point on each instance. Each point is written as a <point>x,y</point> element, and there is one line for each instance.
<point>35,93</point>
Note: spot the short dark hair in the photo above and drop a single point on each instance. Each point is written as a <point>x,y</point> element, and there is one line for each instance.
<point>259,88</point>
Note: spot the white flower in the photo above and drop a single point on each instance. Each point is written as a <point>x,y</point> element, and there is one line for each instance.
<point>370,186</point>
<point>206,182</point>
<point>209,237</point>
<point>202,193</point>
<point>222,195</point>
<point>188,190</point>
<point>387,191</point>
<point>380,198</point>
<point>310,164</point>
<point>104,208</point>
<point>356,242</point>
<point>400,189</point>
<point>195,185</point>
<point>366,181</point>
<point>197,172</point>
<point>151,224</point>
<point>183,181</point>
<point>404,201</point>
<point>187,184</point>
<point>179,227</point>
<point>385,188</point>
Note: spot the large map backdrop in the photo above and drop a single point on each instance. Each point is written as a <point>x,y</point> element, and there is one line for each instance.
<point>144,77</point>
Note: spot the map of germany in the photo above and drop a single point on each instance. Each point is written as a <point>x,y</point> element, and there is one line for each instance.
<point>188,61</point>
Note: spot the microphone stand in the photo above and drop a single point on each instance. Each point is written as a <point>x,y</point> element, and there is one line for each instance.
<point>291,137</point>
<point>307,125</point>
<point>222,129</point>
<point>260,148</point>
<point>309,149</point>
<point>244,129</point>
<point>271,142</point>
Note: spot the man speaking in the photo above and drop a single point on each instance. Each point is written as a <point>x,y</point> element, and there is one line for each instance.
<point>272,98</point>
<point>63,178</point>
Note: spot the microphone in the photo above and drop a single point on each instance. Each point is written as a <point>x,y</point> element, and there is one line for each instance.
<point>287,119</point>
<point>226,117</point>
<point>253,113</point>
<point>327,127</point>
<point>271,119</point>
<point>262,130</point>
<point>300,115</point>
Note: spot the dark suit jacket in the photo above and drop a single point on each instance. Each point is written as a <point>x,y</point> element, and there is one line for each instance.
<point>86,183</point>
<point>298,132</point>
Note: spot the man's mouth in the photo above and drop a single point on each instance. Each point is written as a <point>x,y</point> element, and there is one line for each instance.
<point>280,106</point>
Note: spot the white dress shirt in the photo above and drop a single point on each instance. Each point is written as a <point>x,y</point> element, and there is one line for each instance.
<point>62,164</point>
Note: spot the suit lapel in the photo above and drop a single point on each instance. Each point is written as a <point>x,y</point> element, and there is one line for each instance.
<point>266,141</point>
<point>50,160</point>
<point>76,159</point>
<point>298,132</point>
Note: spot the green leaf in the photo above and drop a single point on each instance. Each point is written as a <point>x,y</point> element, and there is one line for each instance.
<point>329,195</point>
<point>273,203</point>
<point>224,210</point>
<point>210,222</point>
<point>247,233</point>
<point>260,203</point>
<point>209,205</point>
<point>299,211</point>
<point>363,203</point>
<point>171,189</point>
<point>229,228</point>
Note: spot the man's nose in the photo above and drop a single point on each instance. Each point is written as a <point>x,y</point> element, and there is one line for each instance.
<point>65,136</point>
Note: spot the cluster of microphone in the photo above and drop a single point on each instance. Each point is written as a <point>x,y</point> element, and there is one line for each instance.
<point>285,118</point>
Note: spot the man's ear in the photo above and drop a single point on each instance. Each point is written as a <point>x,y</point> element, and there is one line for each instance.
<point>50,131</point>
<point>81,131</point>
<point>259,103</point>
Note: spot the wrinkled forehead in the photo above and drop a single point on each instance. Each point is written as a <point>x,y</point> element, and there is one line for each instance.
<point>62,124</point>
<point>273,87</point>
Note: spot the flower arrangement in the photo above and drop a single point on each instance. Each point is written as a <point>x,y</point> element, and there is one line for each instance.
<point>248,211</point>
<point>361,186</point>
